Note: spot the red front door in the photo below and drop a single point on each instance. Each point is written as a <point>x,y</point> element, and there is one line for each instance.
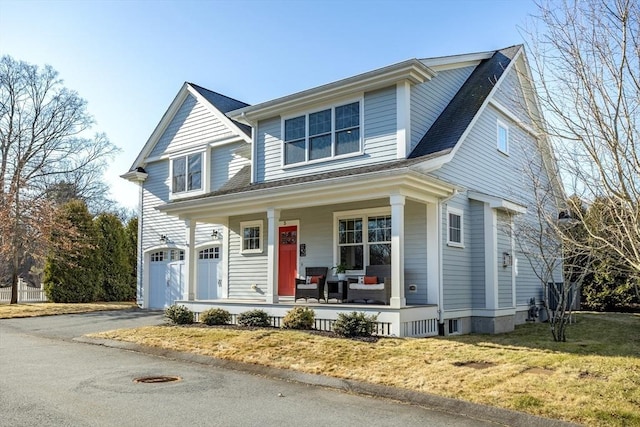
<point>287,260</point>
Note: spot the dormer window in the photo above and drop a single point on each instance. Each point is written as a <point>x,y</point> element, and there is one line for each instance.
<point>324,134</point>
<point>186,173</point>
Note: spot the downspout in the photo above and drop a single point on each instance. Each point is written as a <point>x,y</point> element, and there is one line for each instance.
<point>441,257</point>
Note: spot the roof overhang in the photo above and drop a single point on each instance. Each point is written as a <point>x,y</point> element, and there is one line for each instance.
<point>456,61</point>
<point>499,203</point>
<point>413,71</point>
<point>332,191</point>
<point>135,176</point>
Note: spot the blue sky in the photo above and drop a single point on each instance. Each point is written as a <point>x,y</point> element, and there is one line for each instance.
<point>128,59</point>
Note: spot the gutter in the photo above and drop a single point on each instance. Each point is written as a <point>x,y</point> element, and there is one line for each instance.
<point>441,256</point>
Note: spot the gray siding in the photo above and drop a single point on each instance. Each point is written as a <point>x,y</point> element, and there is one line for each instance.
<point>476,239</point>
<point>510,95</point>
<point>429,99</point>
<point>415,252</point>
<point>193,124</point>
<point>378,129</point>
<point>456,262</point>
<point>225,164</point>
<point>246,269</point>
<point>504,273</point>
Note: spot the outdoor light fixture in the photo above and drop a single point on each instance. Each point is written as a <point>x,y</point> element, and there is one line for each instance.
<point>215,234</point>
<point>163,238</point>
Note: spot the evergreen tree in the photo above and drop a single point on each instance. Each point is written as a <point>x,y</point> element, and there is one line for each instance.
<point>71,273</point>
<point>113,260</point>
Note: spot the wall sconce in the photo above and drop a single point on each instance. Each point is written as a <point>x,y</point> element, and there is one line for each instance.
<point>506,259</point>
<point>163,238</point>
<point>216,234</point>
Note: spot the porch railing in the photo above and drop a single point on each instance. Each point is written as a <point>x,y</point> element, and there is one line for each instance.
<point>25,293</point>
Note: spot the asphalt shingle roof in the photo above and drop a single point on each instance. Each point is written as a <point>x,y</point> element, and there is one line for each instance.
<point>224,104</point>
<point>446,131</point>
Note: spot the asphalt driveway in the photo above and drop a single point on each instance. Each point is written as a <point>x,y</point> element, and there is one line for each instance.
<point>50,376</point>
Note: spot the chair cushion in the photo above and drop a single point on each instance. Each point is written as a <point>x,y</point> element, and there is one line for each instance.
<point>313,279</point>
<point>371,280</point>
<point>362,286</point>
<point>307,286</point>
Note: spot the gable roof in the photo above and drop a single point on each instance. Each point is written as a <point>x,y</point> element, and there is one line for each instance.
<point>456,118</point>
<point>216,103</point>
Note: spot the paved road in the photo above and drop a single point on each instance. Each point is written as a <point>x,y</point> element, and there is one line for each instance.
<point>48,379</point>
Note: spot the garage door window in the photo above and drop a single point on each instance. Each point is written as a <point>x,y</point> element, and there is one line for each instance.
<point>210,253</point>
<point>176,255</point>
<point>158,256</point>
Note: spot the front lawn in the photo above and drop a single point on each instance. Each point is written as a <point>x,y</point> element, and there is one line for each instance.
<point>593,379</point>
<point>9,311</point>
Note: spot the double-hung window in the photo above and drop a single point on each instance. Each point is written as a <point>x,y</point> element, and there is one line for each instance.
<point>251,237</point>
<point>503,137</point>
<point>322,134</point>
<point>455,228</point>
<point>364,240</point>
<point>187,173</point>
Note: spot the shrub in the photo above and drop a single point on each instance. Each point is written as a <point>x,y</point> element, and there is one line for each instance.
<point>354,324</point>
<point>179,314</point>
<point>215,316</point>
<point>299,318</point>
<point>254,318</point>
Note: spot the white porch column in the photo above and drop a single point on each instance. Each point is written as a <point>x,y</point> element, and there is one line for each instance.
<point>490,257</point>
<point>190,261</point>
<point>273,218</point>
<point>397,251</point>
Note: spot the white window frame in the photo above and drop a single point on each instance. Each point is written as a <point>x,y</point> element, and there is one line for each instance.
<point>459,213</point>
<point>499,126</point>
<point>363,214</point>
<point>252,224</point>
<point>333,155</point>
<point>204,158</point>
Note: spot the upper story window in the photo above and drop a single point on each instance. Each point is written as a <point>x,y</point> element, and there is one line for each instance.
<point>187,173</point>
<point>251,237</point>
<point>455,228</point>
<point>503,137</point>
<point>322,134</point>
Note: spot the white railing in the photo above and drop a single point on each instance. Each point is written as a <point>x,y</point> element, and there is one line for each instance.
<point>25,293</point>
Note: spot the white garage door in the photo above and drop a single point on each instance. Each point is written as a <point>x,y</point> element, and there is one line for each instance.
<point>209,273</point>
<point>166,278</point>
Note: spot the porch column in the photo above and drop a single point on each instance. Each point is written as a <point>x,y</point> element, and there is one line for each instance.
<point>273,218</point>
<point>397,251</point>
<point>190,260</point>
<point>490,257</point>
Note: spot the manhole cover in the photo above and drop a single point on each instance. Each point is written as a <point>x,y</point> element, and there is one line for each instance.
<point>156,379</point>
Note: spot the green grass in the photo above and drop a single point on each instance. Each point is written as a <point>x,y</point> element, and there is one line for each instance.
<point>593,379</point>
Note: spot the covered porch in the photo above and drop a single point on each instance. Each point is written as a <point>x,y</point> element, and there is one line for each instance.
<point>390,217</point>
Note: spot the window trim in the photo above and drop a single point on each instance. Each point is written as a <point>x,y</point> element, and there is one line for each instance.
<point>306,114</point>
<point>204,176</point>
<point>501,125</point>
<point>460,213</point>
<point>252,224</point>
<point>363,214</point>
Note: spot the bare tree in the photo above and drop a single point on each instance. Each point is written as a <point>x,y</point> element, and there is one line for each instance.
<point>586,59</point>
<point>43,128</point>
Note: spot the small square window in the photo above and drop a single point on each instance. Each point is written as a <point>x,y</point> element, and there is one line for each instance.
<point>251,237</point>
<point>455,228</point>
<point>503,138</point>
<point>454,326</point>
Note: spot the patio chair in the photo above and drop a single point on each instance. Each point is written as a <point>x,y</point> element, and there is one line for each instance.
<point>373,288</point>
<point>312,286</point>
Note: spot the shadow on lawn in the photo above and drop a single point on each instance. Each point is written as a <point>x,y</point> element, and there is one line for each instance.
<point>602,334</point>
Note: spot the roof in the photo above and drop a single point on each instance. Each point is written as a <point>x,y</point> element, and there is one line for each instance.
<point>223,103</point>
<point>449,127</point>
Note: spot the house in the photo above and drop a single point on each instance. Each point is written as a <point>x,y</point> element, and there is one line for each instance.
<point>416,166</point>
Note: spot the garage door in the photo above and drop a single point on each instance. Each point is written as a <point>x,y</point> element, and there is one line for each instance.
<point>166,278</point>
<point>209,275</point>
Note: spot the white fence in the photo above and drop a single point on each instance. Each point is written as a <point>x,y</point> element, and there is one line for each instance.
<point>25,293</point>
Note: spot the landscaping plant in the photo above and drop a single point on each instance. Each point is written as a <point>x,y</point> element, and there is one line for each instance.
<point>179,314</point>
<point>299,318</point>
<point>254,318</point>
<point>215,316</point>
<point>354,324</point>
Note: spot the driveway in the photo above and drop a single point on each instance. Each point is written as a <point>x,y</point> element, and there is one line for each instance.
<point>47,378</point>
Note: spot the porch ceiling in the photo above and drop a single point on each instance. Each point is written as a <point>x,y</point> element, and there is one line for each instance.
<point>407,182</point>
